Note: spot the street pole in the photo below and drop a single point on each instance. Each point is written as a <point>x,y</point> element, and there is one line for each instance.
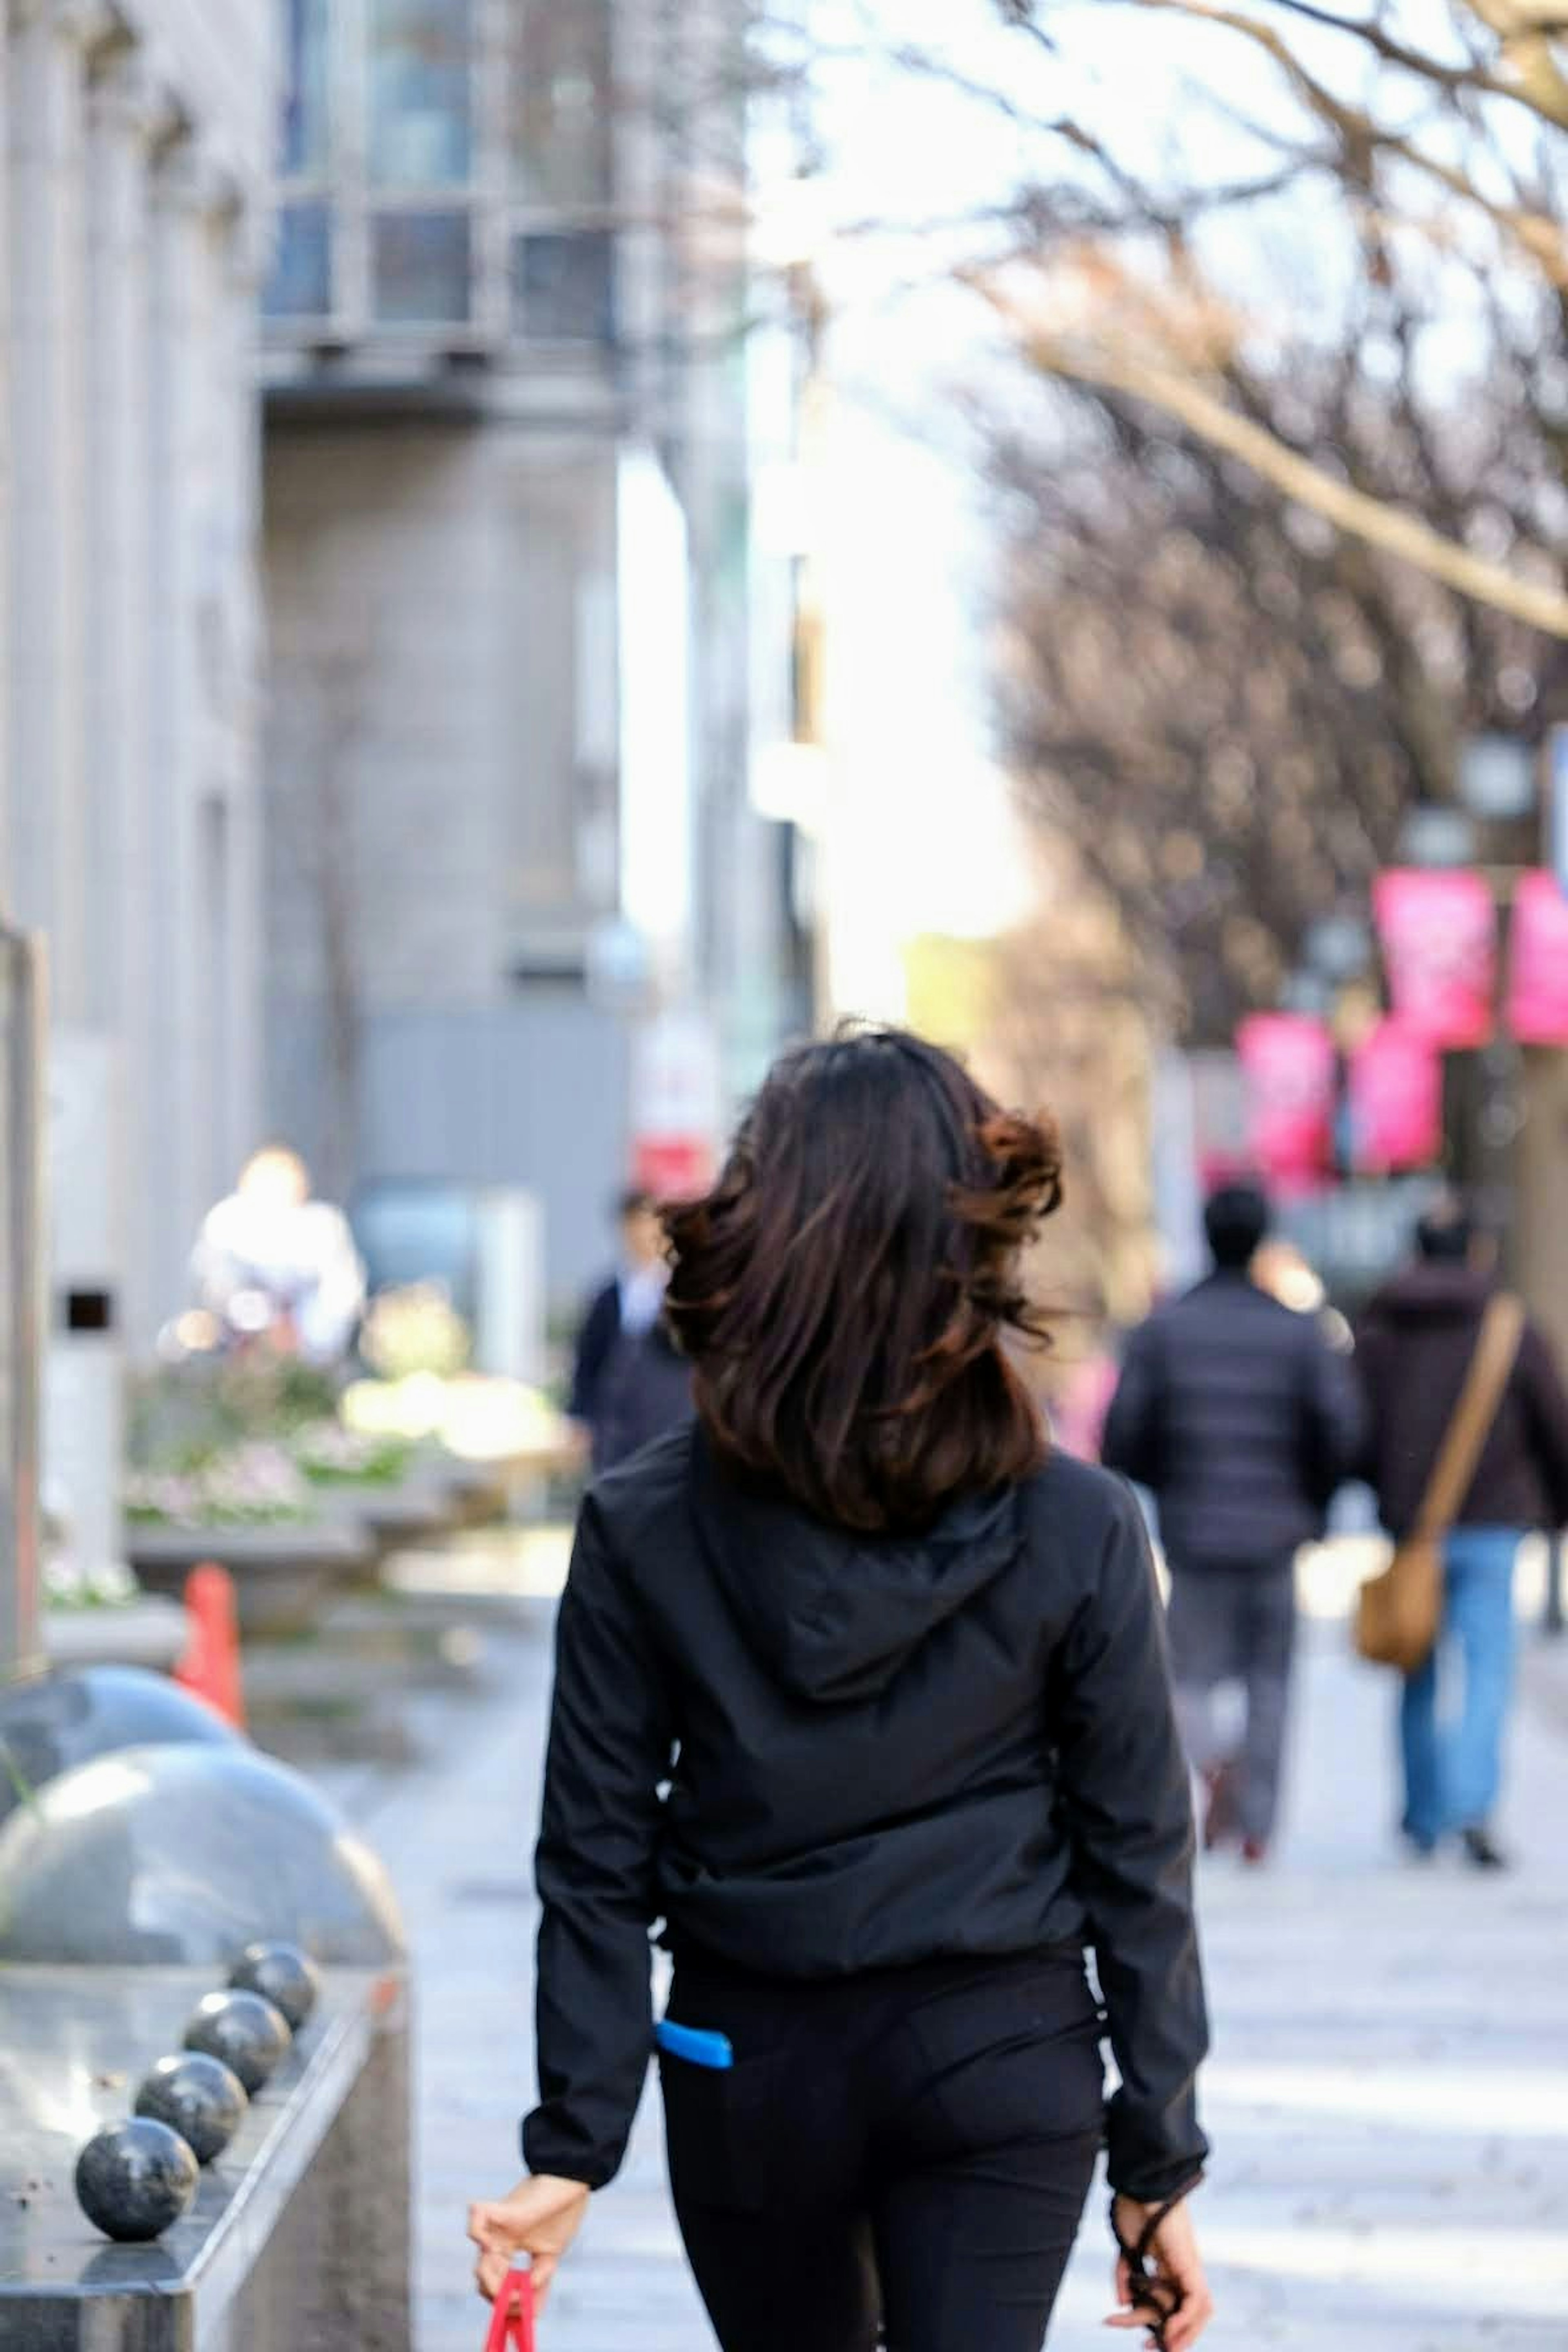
<point>1555,1620</point>
<point>21,1292</point>
<point>1499,1102</point>
<point>1485,1105</point>
<point>1555,843</point>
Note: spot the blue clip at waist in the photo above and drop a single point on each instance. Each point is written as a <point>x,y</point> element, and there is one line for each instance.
<point>694,2046</point>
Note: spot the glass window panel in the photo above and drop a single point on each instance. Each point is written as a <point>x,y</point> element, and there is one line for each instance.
<point>301,286</point>
<point>302,143</point>
<point>561,103</point>
<point>564,286</point>
<point>421,264</point>
<point>421,93</point>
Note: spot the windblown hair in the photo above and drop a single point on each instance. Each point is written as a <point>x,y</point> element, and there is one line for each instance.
<point>844,1290</point>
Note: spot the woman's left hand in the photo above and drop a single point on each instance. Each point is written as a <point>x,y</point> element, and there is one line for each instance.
<point>1179,2291</point>
<point>539,2219</point>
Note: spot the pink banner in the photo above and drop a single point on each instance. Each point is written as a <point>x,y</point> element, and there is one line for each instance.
<point>1396,1099</point>
<point>1538,962</point>
<point>1288,1062</point>
<point>1440,944</point>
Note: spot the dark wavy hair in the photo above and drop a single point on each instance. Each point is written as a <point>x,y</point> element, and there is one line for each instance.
<point>844,1290</point>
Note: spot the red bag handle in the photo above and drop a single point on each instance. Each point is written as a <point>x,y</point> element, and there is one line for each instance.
<point>511,2316</point>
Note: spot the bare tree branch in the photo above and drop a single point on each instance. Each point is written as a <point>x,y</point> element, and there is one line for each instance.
<point>1120,365</point>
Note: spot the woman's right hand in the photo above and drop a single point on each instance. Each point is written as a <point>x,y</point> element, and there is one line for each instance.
<point>1178,2267</point>
<point>540,2219</point>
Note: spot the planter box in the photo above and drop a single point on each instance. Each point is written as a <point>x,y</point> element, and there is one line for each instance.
<point>477,1495</point>
<point>417,1511</point>
<point>281,1573</point>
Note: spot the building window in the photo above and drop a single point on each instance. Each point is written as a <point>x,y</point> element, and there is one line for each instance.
<point>564,286</point>
<point>561,128</point>
<point>303,141</point>
<point>421,93</point>
<point>446,165</point>
<point>421,266</point>
<point>300,285</point>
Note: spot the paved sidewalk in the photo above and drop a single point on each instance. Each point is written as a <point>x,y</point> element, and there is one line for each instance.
<point>1389,2095</point>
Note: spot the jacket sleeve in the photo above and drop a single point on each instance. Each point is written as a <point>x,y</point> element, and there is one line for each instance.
<point>611,1738</point>
<point>1337,1415</point>
<point>1129,1816</point>
<point>1546,1409</point>
<point>1130,1440</point>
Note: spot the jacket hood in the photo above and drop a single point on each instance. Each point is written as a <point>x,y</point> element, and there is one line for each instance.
<point>1433,1293</point>
<point>833,1613</point>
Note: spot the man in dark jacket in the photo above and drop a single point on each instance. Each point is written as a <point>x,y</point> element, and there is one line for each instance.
<point>629,1384</point>
<point>1240,1419</point>
<point>631,1300</point>
<point>645,1392</point>
<point>1414,1348</point>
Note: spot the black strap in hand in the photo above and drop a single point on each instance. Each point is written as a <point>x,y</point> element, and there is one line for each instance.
<point>1159,2299</point>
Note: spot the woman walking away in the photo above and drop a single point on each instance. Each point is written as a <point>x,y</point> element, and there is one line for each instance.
<point>864,1696</point>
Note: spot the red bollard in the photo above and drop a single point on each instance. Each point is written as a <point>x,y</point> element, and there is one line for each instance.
<point>210,1665</point>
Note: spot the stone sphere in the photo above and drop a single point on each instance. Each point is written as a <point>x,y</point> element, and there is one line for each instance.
<point>282,1975</point>
<point>51,1725</point>
<point>243,2030</point>
<point>198,2097</point>
<point>182,1856</point>
<point>136,2179</point>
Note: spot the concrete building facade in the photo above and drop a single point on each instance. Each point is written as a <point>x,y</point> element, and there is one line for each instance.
<point>137,163</point>
<point>508,576</point>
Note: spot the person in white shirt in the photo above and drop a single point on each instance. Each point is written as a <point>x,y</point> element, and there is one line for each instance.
<point>271,1263</point>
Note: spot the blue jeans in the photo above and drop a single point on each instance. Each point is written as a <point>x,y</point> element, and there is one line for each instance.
<point>1452,1758</point>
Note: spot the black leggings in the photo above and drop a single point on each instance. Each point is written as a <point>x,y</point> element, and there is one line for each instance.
<point>909,2150</point>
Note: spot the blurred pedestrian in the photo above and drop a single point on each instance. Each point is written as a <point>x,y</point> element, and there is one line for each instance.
<point>273,1265</point>
<point>1415,1346</point>
<point>1240,1419</point>
<point>863,1694</point>
<point>644,1391</point>
<point>628,1305</point>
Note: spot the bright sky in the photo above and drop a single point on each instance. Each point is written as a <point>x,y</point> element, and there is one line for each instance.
<point>923,839</point>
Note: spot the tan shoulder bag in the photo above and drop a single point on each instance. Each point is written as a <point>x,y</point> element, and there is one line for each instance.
<point>1399,1612</point>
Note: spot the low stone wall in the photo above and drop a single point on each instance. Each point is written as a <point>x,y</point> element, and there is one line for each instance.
<point>299,2241</point>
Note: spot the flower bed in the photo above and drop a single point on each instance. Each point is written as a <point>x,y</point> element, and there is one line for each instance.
<point>329,1454</point>
<point>250,1442</point>
<point>259,1440</point>
<point>257,1484</point>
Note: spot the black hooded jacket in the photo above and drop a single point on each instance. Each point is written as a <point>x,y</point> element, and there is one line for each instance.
<point>810,1752</point>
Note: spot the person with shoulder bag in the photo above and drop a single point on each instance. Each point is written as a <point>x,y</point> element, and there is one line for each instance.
<point>861,1691</point>
<point>1468,1451</point>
